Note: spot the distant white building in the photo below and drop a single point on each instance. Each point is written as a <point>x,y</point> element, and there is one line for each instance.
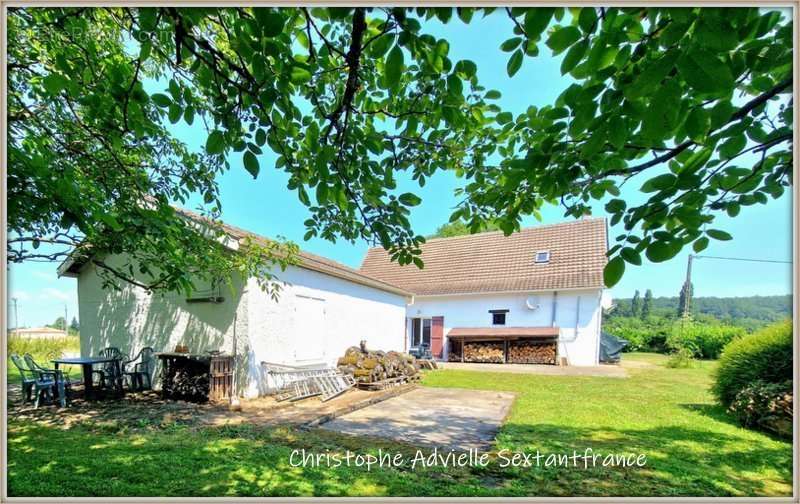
<point>39,333</point>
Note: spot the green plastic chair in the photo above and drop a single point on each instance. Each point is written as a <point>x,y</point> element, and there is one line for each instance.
<point>107,375</point>
<point>63,384</point>
<point>34,381</point>
<point>140,377</point>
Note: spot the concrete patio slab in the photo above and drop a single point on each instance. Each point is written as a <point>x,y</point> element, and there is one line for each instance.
<point>610,371</point>
<point>443,417</point>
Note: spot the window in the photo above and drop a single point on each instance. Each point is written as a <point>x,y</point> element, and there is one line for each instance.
<point>420,331</point>
<point>543,256</point>
<point>498,317</point>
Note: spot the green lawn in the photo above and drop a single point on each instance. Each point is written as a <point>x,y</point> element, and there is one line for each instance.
<point>692,448</point>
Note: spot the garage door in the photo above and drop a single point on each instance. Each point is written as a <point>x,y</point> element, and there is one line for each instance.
<point>309,340</point>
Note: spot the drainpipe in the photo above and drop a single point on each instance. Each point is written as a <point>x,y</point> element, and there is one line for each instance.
<point>555,303</point>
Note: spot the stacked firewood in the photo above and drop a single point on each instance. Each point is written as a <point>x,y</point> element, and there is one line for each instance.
<point>484,352</point>
<point>532,353</point>
<point>375,366</point>
<point>189,380</point>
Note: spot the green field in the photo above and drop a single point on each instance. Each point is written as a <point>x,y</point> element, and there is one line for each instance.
<point>692,448</point>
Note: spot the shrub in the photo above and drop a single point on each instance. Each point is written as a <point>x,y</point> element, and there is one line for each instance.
<point>647,335</point>
<point>704,341</point>
<point>766,406</point>
<point>683,358</point>
<point>765,355</point>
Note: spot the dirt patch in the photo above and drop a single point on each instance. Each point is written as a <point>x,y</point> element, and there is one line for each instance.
<point>141,409</point>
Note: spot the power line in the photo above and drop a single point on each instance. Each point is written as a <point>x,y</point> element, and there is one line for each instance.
<point>742,259</point>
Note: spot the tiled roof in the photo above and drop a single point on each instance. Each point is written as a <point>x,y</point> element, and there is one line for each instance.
<point>311,261</point>
<point>72,265</point>
<point>492,262</point>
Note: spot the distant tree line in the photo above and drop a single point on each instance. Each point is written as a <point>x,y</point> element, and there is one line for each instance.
<point>750,310</point>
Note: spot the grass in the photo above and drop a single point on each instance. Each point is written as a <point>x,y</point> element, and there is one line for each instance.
<point>42,350</point>
<point>692,446</point>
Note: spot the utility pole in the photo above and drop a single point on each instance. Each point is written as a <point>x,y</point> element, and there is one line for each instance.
<point>16,314</point>
<point>65,321</point>
<point>687,288</point>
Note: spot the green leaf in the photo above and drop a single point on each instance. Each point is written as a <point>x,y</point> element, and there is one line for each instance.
<point>698,123</point>
<point>536,20</point>
<point>705,72</point>
<point>504,117</point>
<point>454,85</point>
<point>659,183</point>
<point>650,78</point>
<point>587,19</point>
<point>175,113</point>
<point>617,131</point>
<point>718,234</point>
<point>573,56</point>
<point>54,83</point>
<point>215,143</point>
<point>410,199</point>
<point>660,251</point>
<point>393,69</point>
<point>493,94</point>
<point>250,163</point>
<point>613,271</point>
<point>700,244</point>
<point>161,100</point>
<point>630,255</point>
<point>261,137</point>
<point>270,21</point>
<point>562,38</point>
<point>299,75</point>
<point>514,63</point>
<point>732,146</point>
<point>510,44</point>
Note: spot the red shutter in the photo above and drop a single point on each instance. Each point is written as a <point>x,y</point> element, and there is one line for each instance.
<point>437,336</point>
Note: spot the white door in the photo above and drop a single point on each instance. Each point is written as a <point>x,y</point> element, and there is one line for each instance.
<point>309,334</point>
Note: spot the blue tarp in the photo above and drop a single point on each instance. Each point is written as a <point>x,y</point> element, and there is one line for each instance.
<point>611,347</point>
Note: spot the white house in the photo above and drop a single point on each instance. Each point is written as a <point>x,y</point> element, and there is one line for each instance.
<point>542,285</point>
<point>323,308</point>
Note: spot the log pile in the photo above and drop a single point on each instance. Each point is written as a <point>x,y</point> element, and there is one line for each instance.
<point>186,379</point>
<point>484,352</point>
<point>525,352</point>
<point>368,366</point>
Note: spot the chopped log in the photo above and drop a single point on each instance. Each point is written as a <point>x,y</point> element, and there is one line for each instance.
<point>377,366</point>
<point>532,352</point>
<point>484,352</point>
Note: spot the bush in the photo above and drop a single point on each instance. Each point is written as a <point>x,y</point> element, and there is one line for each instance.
<point>647,335</point>
<point>765,405</point>
<point>683,358</point>
<point>765,355</point>
<point>703,341</point>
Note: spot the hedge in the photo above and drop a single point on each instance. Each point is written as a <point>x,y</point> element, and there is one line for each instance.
<point>765,355</point>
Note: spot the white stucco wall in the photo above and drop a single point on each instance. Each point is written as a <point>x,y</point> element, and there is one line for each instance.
<point>248,324</point>
<point>578,315</point>
<point>347,313</point>
<point>131,319</point>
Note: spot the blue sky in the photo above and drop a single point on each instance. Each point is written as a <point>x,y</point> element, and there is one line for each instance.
<point>266,207</point>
